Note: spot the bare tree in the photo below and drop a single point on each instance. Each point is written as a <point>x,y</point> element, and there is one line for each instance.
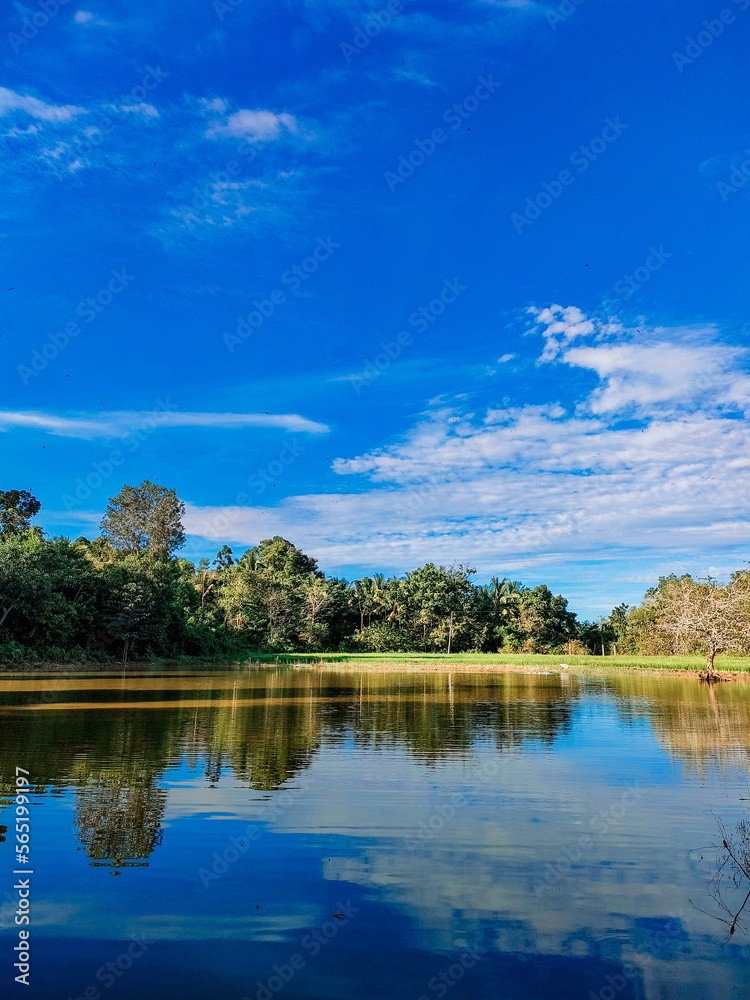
<point>704,614</point>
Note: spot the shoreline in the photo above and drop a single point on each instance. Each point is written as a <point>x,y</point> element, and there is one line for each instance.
<point>374,665</point>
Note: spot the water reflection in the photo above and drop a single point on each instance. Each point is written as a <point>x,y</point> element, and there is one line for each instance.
<point>544,819</point>
<point>119,825</point>
<point>704,726</point>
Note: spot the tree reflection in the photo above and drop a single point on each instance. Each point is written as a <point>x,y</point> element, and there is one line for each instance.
<point>114,739</point>
<point>729,866</point>
<point>702,725</point>
<point>119,825</point>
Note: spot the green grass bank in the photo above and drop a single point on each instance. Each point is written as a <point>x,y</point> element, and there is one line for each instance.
<point>739,665</point>
<point>489,661</point>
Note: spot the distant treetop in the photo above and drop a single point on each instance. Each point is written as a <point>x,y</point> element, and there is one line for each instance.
<point>145,518</point>
<point>17,507</point>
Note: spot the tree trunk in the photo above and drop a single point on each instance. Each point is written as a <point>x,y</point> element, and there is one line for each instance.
<point>450,634</point>
<point>6,612</point>
<point>710,661</point>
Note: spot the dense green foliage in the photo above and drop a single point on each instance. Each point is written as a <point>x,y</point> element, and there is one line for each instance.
<point>17,507</point>
<point>145,518</point>
<point>126,596</point>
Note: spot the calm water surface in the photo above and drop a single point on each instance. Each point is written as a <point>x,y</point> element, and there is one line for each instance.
<point>299,833</point>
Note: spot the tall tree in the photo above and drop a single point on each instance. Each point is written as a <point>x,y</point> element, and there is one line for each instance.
<point>206,580</point>
<point>358,597</point>
<point>317,595</point>
<point>145,517</point>
<point>617,626</point>
<point>224,560</point>
<point>279,560</point>
<point>544,620</point>
<point>17,507</point>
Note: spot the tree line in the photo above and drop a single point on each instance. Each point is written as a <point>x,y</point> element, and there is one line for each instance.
<point>127,595</point>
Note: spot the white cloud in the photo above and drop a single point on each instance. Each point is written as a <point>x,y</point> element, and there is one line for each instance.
<point>12,101</point>
<point>640,368</point>
<point>64,426</point>
<point>255,126</point>
<point>273,194</point>
<point>536,491</point>
<point>213,104</point>
<point>88,17</point>
<point>116,424</point>
<point>536,485</point>
<point>644,374</point>
<point>561,326</point>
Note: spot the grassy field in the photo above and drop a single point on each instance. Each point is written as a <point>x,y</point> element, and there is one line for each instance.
<point>488,661</point>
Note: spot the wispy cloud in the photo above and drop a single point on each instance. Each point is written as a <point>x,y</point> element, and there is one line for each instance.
<point>115,424</point>
<point>11,101</point>
<point>142,108</point>
<point>262,179</point>
<point>67,139</point>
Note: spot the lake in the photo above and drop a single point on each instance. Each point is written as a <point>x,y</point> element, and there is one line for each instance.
<point>316,833</point>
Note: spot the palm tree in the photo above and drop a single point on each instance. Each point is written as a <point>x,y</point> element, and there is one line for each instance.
<point>503,592</point>
<point>355,598</point>
<point>379,594</point>
<point>361,598</point>
<point>394,590</point>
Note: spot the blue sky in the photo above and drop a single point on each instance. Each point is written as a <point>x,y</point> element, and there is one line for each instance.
<point>458,281</point>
